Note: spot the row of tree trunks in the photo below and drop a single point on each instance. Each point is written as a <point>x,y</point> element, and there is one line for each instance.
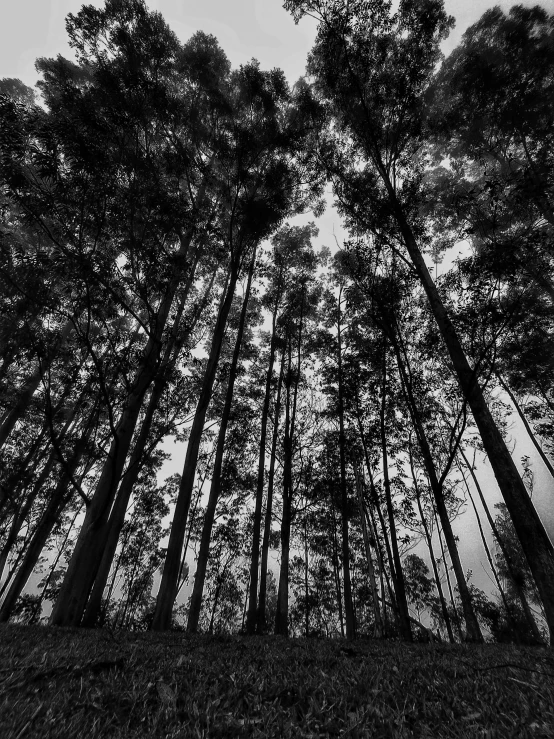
<point>85,560</point>
<point>172,564</point>
<point>172,348</point>
<point>534,539</point>
<point>215,487</point>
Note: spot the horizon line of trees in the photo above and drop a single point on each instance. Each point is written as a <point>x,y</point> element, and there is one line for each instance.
<point>156,285</point>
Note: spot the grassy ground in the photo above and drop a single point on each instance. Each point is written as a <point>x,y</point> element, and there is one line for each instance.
<point>77,683</point>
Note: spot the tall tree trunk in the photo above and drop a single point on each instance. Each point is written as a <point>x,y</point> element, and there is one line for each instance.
<point>507,607</point>
<point>170,575</point>
<point>282,615</point>
<point>261,621</point>
<point>336,563</point>
<point>428,539</point>
<point>56,503</point>
<point>31,384</point>
<point>83,566</point>
<point>449,583</point>
<point>348,605</point>
<point>255,556</point>
<point>532,435</point>
<point>215,487</point>
<point>117,516</point>
<point>378,631</point>
<point>510,565</point>
<point>472,625</point>
<point>306,581</point>
<point>399,586</point>
<point>535,542</point>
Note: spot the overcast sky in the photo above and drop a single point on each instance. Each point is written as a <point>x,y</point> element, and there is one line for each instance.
<point>244,28</point>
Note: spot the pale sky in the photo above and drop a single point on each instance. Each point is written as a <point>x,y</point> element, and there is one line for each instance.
<point>264,30</point>
<point>244,28</point>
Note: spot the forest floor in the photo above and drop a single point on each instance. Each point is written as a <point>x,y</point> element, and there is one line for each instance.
<point>85,683</point>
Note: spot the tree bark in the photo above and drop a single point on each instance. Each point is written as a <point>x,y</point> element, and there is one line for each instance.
<point>56,503</point>
<point>261,622</point>
<point>404,616</point>
<point>209,517</point>
<point>378,631</point>
<point>170,575</point>
<point>255,556</point>
<point>117,515</point>
<point>535,542</point>
<point>348,605</point>
<point>83,566</point>
<point>472,625</point>
<point>428,539</point>
<point>519,590</point>
<point>282,615</point>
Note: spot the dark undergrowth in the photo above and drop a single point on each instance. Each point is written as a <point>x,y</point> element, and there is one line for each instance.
<point>81,683</point>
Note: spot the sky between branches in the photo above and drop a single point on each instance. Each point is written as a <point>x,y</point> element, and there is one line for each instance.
<point>263,30</point>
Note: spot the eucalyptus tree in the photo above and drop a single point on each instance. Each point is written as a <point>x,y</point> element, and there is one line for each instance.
<point>335,320</point>
<point>147,83</point>
<point>260,185</point>
<point>297,321</point>
<point>371,70</point>
<point>289,243</point>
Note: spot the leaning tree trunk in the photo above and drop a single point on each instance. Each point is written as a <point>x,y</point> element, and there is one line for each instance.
<point>428,539</point>
<point>83,566</point>
<point>31,384</point>
<point>117,515</point>
<point>378,632</point>
<point>508,609</point>
<point>400,588</point>
<point>215,487</point>
<point>509,563</point>
<point>170,575</point>
<point>534,539</point>
<point>472,625</point>
<point>56,503</point>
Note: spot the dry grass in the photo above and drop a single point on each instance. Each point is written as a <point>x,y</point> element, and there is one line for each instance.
<point>77,683</point>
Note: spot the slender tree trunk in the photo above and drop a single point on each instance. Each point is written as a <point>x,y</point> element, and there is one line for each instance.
<point>83,566</point>
<point>449,583</point>
<point>282,615</point>
<point>535,542</point>
<point>378,631</point>
<point>404,616</point>
<point>532,436</point>
<point>31,384</point>
<point>336,564</point>
<point>507,607</point>
<point>472,625</point>
<point>306,582</point>
<point>519,590</point>
<point>348,605</point>
<point>117,516</point>
<point>261,622</point>
<point>215,487</point>
<point>57,502</point>
<point>170,574</point>
<point>55,563</point>
<point>428,539</point>
<point>255,556</point>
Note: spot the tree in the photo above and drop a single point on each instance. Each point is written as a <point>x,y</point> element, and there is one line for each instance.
<point>371,70</point>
